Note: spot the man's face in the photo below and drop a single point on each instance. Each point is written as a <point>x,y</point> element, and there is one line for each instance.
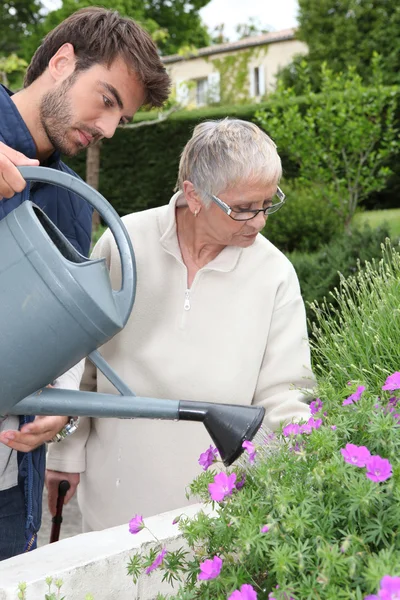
<point>89,105</point>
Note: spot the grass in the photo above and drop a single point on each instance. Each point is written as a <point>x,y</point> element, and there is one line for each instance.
<point>374,218</point>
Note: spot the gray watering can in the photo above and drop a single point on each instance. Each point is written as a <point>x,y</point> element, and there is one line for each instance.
<point>57,307</point>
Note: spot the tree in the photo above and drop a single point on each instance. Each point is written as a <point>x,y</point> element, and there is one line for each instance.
<point>16,19</point>
<point>346,33</point>
<point>251,28</point>
<point>344,137</point>
<point>171,23</point>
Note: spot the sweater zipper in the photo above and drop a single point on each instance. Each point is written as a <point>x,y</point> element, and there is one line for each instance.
<point>186,306</point>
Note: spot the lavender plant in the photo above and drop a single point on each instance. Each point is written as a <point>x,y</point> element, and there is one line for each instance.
<point>317,516</point>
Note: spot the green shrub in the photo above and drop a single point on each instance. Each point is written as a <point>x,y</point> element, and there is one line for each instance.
<point>306,222</point>
<point>319,273</point>
<point>311,522</point>
<point>139,166</point>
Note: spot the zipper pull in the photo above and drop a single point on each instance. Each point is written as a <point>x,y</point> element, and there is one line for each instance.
<point>186,306</point>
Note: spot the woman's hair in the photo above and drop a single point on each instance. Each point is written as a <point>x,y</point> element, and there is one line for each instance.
<point>221,154</point>
<point>99,36</point>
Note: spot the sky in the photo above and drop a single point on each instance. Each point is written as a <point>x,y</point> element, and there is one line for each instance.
<point>272,14</point>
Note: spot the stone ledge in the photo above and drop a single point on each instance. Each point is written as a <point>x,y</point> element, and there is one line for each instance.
<point>94,563</point>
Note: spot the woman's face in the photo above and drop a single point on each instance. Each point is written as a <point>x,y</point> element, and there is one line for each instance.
<point>228,232</point>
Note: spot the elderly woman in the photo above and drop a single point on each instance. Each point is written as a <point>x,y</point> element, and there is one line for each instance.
<point>218,317</point>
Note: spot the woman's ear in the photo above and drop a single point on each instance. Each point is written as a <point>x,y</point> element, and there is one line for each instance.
<point>192,198</point>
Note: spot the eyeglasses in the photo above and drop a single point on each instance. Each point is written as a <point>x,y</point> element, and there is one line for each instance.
<point>247,214</point>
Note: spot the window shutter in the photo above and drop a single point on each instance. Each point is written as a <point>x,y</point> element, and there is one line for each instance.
<point>214,94</point>
<point>182,92</point>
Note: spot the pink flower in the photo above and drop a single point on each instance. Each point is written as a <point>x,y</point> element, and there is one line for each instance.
<point>390,588</point>
<point>208,457</point>
<point>136,524</point>
<point>222,486</point>
<point>333,427</point>
<point>392,382</point>
<point>250,448</point>
<point>316,406</point>
<point>247,592</point>
<point>292,429</point>
<point>356,455</point>
<point>354,397</point>
<point>371,597</point>
<point>210,569</point>
<point>310,425</point>
<point>378,469</point>
<point>264,529</point>
<point>157,561</point>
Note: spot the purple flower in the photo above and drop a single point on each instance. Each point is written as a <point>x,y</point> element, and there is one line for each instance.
<point>378,469</point>
<point>390,588</point>
<point>136,524</point>
<point>176,520</point>
<point>264,529</point>
<point>246,592</point>
<point>392,382</point>
<point>354,397</point>
<point>371,597</point>
<point>316,405</point>
<point>292,429</point>
<point>222,486</point>
<point>250,448</point>
<point>333,427</point>
<point>207,458</point>
<point>239,484</point>
<point>356,455</point>
<point>157,561</point>
<point>210,569</point>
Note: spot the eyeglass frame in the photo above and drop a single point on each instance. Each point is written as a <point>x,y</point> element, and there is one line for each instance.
<point>267,211</point>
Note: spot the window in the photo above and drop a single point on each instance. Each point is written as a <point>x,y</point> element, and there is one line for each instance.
<point>257,81</point>
<point>201,91</point>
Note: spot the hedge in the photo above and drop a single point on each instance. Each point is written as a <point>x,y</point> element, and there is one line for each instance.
<point>139,166</point>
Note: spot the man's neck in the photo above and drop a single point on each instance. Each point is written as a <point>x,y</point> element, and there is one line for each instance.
<point>27,101</point>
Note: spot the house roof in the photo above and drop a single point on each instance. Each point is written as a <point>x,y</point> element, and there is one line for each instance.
<point>249,42</point>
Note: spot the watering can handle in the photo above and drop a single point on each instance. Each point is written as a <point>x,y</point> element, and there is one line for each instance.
<point>126,295</point>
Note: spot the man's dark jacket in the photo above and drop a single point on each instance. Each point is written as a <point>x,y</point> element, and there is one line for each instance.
<point>73,216</point>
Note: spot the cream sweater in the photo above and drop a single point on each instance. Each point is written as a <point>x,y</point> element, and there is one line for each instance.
<point>237,336</point>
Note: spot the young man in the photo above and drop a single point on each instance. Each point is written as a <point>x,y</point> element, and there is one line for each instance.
<point>90,74</point>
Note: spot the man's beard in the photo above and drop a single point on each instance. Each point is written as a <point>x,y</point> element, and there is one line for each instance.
<point>56,116</point>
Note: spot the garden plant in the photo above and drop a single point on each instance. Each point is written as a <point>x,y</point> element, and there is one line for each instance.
<point>314,511</point>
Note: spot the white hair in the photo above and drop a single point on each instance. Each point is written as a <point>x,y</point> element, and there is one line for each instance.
<point>222,154</point>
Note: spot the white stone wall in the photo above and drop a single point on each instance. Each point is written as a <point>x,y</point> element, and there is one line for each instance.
<point>94,563</point>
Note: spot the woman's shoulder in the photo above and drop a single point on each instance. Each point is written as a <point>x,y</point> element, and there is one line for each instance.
<point>268,253</point>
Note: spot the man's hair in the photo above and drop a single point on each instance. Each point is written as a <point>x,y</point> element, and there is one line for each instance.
<point>221,154</point>
<point>99,36</point>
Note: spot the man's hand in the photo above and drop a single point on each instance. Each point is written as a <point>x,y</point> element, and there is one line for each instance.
<point>52,481</point>
<point>32,435</point>
<point>11,180</point>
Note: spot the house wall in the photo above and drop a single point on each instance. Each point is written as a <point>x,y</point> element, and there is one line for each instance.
<point>269,58</point>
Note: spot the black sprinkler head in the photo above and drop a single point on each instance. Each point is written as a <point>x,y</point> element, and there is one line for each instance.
<point>229,425</point>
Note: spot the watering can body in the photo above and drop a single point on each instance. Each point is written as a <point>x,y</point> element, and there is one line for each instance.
<point>56,305</point>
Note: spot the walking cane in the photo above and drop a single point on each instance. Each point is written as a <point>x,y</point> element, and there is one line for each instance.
<point>63,488</point>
